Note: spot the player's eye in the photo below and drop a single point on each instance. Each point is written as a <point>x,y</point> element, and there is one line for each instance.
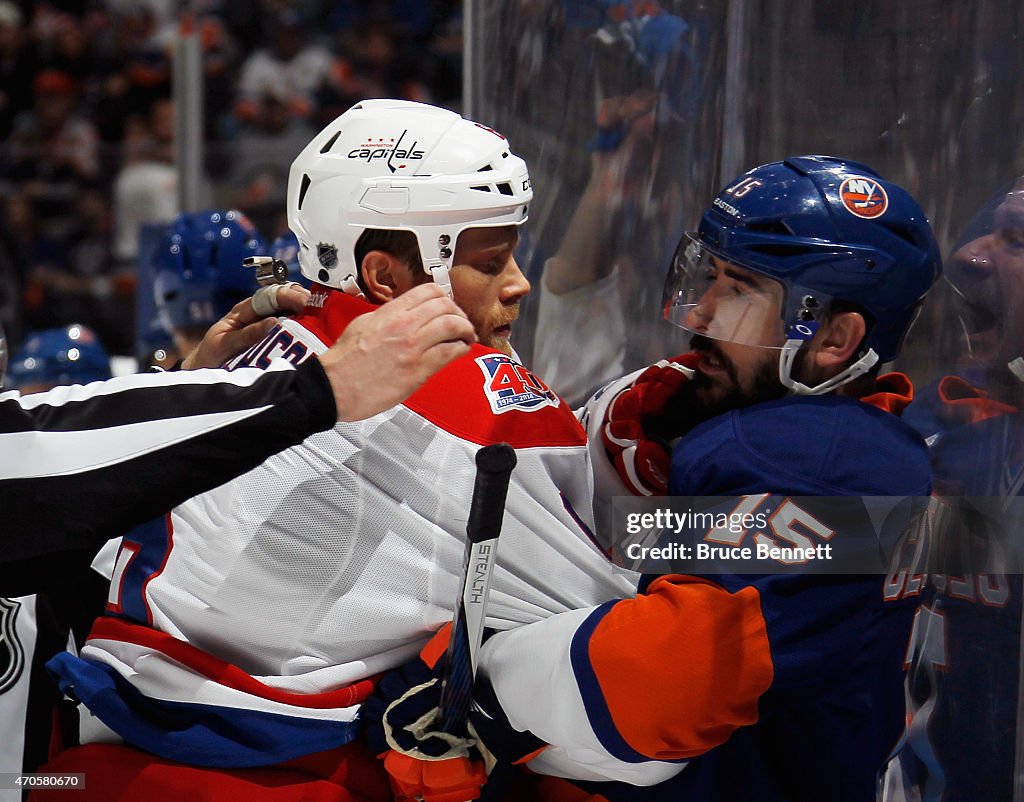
<point>490,267</point>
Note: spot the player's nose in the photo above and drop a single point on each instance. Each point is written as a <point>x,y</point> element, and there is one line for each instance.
<point>515,285</point>
<point>975,256</point>
<point>701,313</point>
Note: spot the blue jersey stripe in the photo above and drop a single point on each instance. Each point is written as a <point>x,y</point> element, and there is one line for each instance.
<point>594,703</point>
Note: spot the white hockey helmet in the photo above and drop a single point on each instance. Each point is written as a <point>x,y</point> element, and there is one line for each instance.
<point>399,165</point>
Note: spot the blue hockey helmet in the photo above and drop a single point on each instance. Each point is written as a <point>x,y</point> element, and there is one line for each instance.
<point>285,249</point>
<point>69,355</point>
<point>155,346</point>
<point>198,267</point>
<point>824,230</point>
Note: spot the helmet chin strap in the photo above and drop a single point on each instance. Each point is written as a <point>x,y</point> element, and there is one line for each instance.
<point>350,286</point>
<point>788,356</point>
<point>441,278</point>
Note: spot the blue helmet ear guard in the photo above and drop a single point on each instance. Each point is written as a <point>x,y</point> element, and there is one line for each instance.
<point>835,227</point>
<point>198,267</point>
<point>69,355</point>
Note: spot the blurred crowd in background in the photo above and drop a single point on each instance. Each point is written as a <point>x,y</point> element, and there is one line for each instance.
<point>87,127</point>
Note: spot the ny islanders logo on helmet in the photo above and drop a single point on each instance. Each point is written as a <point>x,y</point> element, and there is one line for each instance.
<point>863,197</point>
<point>509,385</point>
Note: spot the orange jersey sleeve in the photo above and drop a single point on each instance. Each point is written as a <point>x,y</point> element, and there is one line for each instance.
<point>671,673</point>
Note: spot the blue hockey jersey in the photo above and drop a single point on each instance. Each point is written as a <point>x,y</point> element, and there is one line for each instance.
<point>773,688</point>
<point>964,650</point>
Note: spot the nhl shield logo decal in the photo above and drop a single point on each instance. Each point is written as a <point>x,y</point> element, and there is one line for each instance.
<point>508,385</point>
<point>327,254</point>
<point>863,197</point>
<point>12,652</point>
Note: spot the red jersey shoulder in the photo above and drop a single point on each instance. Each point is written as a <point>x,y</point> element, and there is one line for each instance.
<point>484,397</point>
<point>488,397</point>
<point>328,312</point>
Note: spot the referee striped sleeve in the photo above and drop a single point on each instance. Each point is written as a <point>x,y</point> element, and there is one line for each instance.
<point>81,464</point>
<point>80,428</point>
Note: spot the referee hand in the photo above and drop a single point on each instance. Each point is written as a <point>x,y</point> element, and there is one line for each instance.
<point>247,323</point>
<point>385,355</point>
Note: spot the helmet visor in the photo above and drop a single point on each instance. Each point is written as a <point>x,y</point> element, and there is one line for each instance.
<point>708,295</point>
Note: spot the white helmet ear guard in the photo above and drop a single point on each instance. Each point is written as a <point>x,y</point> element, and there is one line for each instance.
<point>399,165</point>
<point>797,387</point>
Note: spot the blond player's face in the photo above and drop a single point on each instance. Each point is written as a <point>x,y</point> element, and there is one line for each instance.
<point>488,284</point>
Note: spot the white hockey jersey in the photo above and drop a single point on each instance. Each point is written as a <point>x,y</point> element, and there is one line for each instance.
<point>241,630</point>
<point>19,631</point>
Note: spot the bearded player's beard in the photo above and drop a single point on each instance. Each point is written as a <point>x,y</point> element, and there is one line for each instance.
<point>701,398</point>
<point>713,399</point>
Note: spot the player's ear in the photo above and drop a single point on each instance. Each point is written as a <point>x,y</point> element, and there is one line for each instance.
<point>839,340</point>
<point>379,275</point>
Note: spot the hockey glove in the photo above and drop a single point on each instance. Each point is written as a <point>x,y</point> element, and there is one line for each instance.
<point>399,724</point>
<point>638,427</point>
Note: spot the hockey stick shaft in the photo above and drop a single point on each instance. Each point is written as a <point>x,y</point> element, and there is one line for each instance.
<point>494,464</point>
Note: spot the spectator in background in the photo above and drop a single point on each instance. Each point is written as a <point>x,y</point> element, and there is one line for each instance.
<point>49,17</point>
<point>591,281</point>
<point>136,65</point>
<point>385,66</point>
<point>84,90</point>
<point>219,58</point>
<point>397,48</point>
<point>33,252</point>
<point>601,269</point>
<point>54,149</point>
<point>445,48</point>
<point>12,280</point>
<point>146,187</point>
<point>82,283</point>
<point>291,68</point>
<point>108,288</point>
<point>417,19</point>
<point>262,152</point>
<point>373,61</point>
<point>68,45</point>
<point>18,65</point>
